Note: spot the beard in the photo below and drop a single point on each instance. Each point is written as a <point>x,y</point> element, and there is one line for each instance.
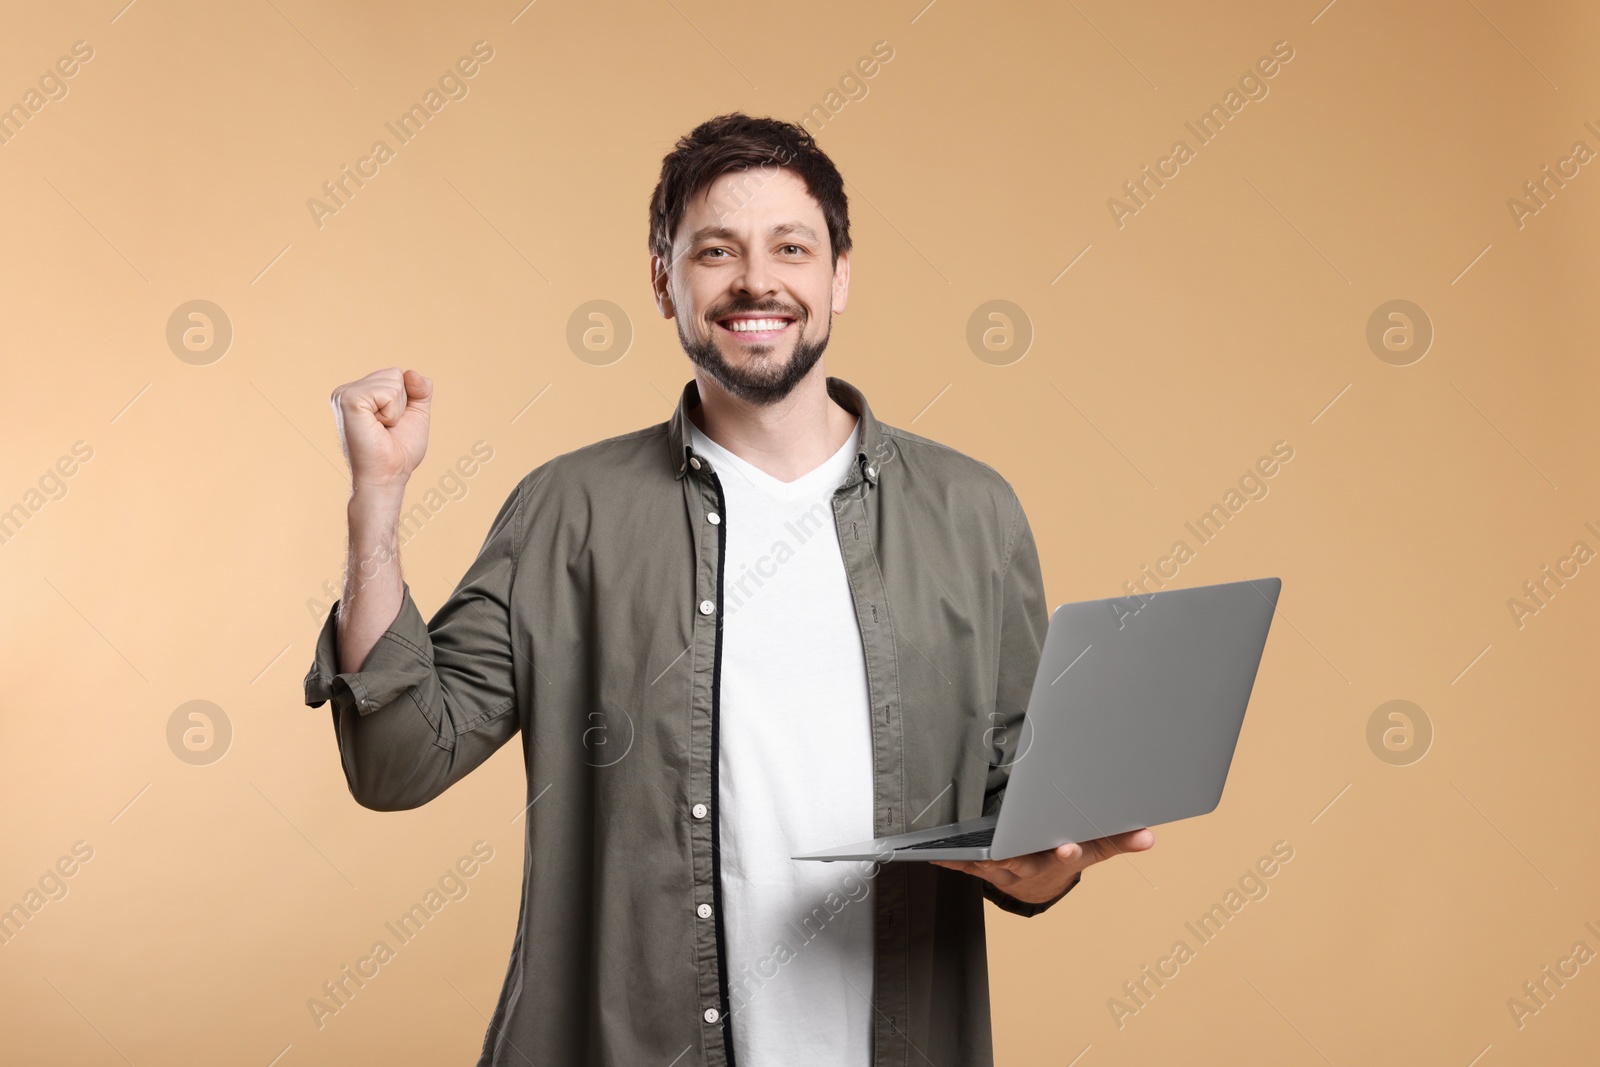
<point>761,385</point>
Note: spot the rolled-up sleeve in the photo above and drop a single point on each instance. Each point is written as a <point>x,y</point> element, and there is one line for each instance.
<point>1024,618</point>
<point>432,700</point>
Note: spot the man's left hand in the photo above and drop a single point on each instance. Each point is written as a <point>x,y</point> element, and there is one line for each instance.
<point>1040,876</point>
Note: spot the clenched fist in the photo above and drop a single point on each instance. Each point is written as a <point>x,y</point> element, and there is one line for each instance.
<point>383,427</point>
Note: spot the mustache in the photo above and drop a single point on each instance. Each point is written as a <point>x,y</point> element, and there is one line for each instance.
<point>749,307</point>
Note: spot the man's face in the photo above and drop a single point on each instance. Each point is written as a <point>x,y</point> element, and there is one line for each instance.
<point>752,282</point>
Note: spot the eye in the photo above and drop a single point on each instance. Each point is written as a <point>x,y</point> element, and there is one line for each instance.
<point>797,248</point>
<point>708,251</point>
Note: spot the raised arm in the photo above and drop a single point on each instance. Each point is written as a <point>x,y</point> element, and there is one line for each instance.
<point>383,428</point>
<point>416,706</point>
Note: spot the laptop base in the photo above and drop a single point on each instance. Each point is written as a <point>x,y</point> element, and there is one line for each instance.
<point>917,845</point>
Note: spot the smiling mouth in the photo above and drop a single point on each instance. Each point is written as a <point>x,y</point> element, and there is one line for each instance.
<point>755,327</point>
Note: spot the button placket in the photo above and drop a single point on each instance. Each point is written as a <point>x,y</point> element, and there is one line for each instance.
<point>854,505</point>
<point>706,500</point>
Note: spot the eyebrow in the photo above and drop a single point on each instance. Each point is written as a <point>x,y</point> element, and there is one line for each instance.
<point>706,233</point>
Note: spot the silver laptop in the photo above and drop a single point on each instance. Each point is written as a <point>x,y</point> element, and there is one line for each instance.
<point>1132,722</point>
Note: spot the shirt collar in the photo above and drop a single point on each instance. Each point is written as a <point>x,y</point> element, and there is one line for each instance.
<point>871,448</point>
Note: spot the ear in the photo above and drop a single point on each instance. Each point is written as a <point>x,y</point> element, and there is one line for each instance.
<point>660,284</point>
<point>841,283</point>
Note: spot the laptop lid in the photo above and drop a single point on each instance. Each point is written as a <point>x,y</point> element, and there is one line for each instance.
<point>1135,713</point>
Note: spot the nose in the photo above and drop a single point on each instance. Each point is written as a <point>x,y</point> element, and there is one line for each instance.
<point>756,280</point>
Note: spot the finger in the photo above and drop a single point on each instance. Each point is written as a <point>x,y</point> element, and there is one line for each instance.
<point>389,402</point>
<point>419,389</point>
<point>1117,844</point>
<point>1132,841</point>
<point>1023,866</point>
<point>989,870</point>
<point>350,395</point>
<point>1071,852</point>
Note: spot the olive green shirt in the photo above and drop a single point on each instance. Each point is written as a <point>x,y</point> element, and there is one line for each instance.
<point>590,621</point>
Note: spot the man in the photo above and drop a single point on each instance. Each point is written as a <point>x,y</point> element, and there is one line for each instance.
<point>767,625</point>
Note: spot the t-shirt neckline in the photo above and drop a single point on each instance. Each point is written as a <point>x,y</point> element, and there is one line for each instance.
<point>833,469</point>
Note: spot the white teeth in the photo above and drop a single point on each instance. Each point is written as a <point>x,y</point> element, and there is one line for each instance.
<point>753,325</point>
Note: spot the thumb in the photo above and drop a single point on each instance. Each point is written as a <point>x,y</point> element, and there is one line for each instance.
<point>419,389</point>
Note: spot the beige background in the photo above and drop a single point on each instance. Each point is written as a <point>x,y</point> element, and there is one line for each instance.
<point>1229,313</point>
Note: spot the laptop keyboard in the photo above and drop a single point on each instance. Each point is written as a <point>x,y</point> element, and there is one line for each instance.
<point>970,839</point>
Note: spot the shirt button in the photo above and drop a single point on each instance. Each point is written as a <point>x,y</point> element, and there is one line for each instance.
<point>699,811</point>
<point>711,1015</point>
<point>695,463</point>
<point>713,518</point>
<point>872,472</point>
<point>707,607</point>
<point>704,911</point>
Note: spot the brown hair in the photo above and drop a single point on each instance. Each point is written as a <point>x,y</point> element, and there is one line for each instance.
<point>735,142</point>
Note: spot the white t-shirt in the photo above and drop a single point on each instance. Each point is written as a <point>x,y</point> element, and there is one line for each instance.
<point>794,769</point>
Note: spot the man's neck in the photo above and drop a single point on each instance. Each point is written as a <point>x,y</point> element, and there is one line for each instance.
<point>786,440</point>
